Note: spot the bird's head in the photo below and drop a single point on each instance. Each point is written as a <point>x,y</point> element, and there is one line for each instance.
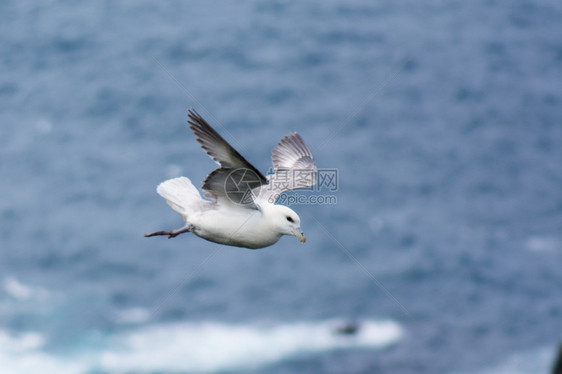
<point>285,221</point>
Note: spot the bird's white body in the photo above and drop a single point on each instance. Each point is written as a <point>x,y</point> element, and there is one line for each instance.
<point>239,228</point>
<point>223,222</point>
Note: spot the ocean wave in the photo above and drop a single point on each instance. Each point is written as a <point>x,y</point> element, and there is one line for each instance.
<point>19,291</point>
<point>212,346</point>
<point>23,353</point>
<point>204,347</point>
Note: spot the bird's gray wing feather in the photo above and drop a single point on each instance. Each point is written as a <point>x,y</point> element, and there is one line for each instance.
<point>235,179</point>
<point>294,168</point>
<point>292,153</point>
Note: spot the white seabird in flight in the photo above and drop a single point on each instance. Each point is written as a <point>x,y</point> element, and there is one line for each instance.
<point>241,209</point>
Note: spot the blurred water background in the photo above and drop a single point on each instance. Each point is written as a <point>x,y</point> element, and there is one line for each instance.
<point>443,119</point>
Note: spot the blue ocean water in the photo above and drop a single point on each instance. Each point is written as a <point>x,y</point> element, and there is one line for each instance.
<point>443,120</point>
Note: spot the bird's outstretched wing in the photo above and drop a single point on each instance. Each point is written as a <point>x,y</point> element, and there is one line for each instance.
<point>294,167</point>
<point>235,179</point>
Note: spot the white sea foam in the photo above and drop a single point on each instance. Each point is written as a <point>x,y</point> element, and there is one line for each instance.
<point>22,354</point>
<point>210,346</point>
<point>192,347</point>
<point>20,291</point>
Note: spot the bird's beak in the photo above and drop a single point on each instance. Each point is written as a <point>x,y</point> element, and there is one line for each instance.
<point>298,233</point>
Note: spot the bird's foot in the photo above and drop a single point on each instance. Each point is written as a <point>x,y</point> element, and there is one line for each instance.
<point>170,233</point>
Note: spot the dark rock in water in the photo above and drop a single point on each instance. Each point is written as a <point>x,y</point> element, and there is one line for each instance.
<point>557,368</point>
<point>348,328</point>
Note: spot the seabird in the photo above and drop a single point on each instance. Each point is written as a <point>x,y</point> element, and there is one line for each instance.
<point>240,208</point>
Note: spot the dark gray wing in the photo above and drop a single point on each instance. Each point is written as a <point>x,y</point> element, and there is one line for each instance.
<point>235,179</point>
<point>294,168</point>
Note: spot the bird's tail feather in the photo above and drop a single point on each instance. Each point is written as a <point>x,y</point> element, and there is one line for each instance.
<point>180,194</point>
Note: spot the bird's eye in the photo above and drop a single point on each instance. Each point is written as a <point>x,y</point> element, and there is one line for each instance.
<point>290,219</point>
